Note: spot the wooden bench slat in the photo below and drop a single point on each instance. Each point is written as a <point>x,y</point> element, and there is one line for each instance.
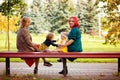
<point>60,54</point>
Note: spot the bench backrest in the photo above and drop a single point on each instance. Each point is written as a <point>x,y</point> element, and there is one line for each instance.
<point>60,54</point>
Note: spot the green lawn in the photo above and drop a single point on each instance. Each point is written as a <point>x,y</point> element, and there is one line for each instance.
<point>90,44</point>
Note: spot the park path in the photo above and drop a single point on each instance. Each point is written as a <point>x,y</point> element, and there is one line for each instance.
<point>77,71</point>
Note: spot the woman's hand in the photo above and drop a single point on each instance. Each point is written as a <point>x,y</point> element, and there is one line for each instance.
<point>57,40</point>
<point>37,47</point>
<point>61,45</point>
<point>69,42</point>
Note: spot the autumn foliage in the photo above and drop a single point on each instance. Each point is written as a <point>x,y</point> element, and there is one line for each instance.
<point>13,23</point>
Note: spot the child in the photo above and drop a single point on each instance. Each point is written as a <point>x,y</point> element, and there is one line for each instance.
<point>45,45</point>
<point>62,42</point>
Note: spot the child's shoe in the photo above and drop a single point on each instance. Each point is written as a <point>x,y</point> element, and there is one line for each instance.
<point>35,70</point>
<point>59,60</point>
<point>47,64</point>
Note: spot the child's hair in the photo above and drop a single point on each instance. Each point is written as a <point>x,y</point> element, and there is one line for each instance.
<point>50,36</point>
<point>63,34</point>
<point>23,21</point>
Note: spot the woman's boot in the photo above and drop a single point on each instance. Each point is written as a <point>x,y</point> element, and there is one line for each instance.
<point>35,70</point>
<point>62,72</point>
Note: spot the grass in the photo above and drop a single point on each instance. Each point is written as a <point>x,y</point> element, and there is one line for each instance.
<point>89,43</point>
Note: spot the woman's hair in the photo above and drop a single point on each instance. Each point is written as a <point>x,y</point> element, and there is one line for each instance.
<point>23,21</point>
<point>76,22</point>
<point>50,36</point>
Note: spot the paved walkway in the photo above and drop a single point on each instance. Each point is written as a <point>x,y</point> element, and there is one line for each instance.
<point>77,71</point>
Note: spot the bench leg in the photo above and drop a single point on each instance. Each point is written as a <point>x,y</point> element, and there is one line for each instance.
<point>118,64</point>
<point>7,66</point>
<point>64,67</point>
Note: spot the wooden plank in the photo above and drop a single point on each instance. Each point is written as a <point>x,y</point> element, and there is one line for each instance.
<point>60,54</point>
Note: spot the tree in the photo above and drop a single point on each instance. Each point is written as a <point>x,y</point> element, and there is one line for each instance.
<point>10,7</point>
<point>58,14</point>
<point>50,15</point>
<point>13,23</point>
<point>39,24</point>
<point>87,13</point>
<point>13,7</point>
<point>112,22</point>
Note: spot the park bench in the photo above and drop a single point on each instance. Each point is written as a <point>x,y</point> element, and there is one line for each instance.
<point>9,55</point>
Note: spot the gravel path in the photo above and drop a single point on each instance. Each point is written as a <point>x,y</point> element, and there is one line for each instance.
<point>77,71</point>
